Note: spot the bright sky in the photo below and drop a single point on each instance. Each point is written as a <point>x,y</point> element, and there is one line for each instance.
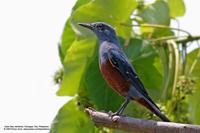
<point>29,33</point>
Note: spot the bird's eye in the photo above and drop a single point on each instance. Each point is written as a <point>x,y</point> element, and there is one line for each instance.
<point>99,27</point>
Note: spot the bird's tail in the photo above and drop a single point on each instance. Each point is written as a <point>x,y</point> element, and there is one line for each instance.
<point>152,106</point>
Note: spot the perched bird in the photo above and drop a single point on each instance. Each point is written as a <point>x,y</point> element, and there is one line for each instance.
<point>118,71</point>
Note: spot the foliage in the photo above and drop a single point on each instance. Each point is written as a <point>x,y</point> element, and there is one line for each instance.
<point>194,71</point>
<point>71,118</point>
<point>159,64</point>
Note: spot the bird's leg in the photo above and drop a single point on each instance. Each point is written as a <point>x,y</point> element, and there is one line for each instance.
<point>123,106</point>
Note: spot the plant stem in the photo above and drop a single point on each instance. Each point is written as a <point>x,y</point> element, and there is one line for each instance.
<point>165,38</point>
<point>157,26</point>
<point>188,39</point>
<point>176,65</point>
<point>184,57</point>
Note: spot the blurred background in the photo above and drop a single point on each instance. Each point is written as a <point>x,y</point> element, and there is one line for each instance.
<point>29,34</point>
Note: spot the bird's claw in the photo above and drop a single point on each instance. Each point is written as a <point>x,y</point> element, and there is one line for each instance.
<point>111,114</point>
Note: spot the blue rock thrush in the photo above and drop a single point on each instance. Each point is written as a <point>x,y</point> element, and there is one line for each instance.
<point>118,71</point>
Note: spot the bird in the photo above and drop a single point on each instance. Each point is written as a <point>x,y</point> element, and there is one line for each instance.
<point>117,70</point>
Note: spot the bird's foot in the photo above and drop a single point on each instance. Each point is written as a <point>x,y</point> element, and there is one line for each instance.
<point>111,114</point>
<point>114,116</point>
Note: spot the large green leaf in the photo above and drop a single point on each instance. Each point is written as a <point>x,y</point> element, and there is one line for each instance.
<point>70,119</point>
<point>68,36</point>
<point>110,11</point>
<point>138,48</point>
<point>159,32</point>
<point>177,8</point>
<point>74,65</point>
<point>194,100</point>
<point>156,13</point>
<point>79,3</point>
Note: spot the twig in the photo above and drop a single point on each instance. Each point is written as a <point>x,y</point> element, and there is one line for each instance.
<point>165,38</point>
<point>178,40</point>
<point>157,26</point>
<point>139,125</point>
<point>184,57</point>
<point>188,39</point>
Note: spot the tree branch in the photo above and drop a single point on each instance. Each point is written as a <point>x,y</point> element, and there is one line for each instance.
<point>188,39</point>
<point>139,125</point>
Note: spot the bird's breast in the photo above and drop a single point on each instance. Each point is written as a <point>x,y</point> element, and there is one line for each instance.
<point>114,78</point>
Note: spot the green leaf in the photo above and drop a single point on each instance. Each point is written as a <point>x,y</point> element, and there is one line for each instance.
<point>138,48</point>
<point>68,37</point>
<point>162,32</point>
<point>99,93</point>
<point>74,65</point>
<point>194,111</point>
<point>71,119</point>
<point>79,3</point>
<point>176,7</point>
<point>110,11</point>
<point>155,13</point>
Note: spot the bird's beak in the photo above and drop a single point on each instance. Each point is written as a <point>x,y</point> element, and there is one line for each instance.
<point>87,25</point>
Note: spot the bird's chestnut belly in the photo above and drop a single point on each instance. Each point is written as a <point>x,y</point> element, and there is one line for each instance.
<point>114,78</point>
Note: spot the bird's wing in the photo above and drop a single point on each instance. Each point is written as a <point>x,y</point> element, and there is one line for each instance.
<point>121,63</point>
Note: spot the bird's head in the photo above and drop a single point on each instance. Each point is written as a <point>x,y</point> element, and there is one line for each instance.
<point>103,31</point>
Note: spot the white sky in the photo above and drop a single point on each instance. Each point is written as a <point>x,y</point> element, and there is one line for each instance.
<point>29,32</point>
